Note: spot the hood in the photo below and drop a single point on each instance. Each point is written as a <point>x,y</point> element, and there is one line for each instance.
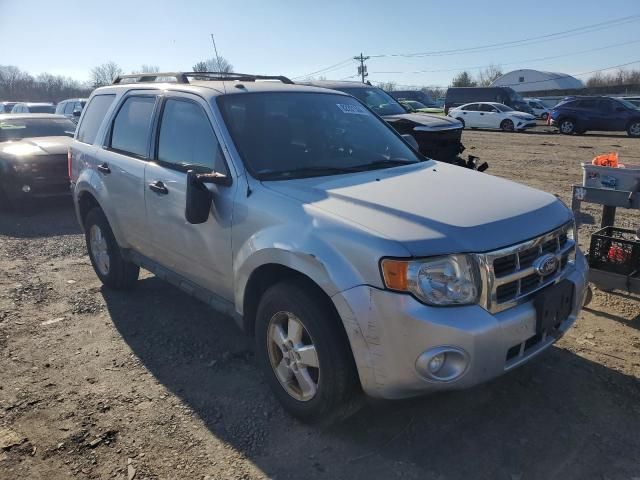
<point>433,208</point>
<point>435,122</point>
<point>36,146</point>
<point>526,115</point>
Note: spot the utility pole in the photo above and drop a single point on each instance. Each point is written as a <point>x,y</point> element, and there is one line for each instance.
<point>362,69</point>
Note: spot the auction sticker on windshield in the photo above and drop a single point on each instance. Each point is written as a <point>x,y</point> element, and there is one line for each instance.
<point>355,109</point>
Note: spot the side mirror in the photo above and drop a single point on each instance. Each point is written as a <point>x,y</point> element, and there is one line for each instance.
<point>198,202</point>
<point>77,113</point>
<point>410,139</point>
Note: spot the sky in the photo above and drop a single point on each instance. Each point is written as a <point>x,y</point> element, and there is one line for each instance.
<point>295,38</point>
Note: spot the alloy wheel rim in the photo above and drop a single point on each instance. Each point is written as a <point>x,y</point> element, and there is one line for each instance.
<point>293,356</point>
<point>567,126</point>
<point>508,125</point>
<point>635,129</point>
<point>99,249</point>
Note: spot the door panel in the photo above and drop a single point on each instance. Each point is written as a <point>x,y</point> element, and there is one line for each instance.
<point>201,253</point>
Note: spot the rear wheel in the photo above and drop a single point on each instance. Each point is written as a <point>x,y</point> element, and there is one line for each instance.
<point>567,126</point>
<point>105,253</point>
<point>633,130</point>
<point>507,126</point>
<point>303,350</point>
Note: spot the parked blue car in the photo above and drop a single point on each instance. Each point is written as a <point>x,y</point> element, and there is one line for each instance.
<point>579,114</point>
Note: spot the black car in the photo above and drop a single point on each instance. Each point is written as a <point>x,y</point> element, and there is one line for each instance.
<point>438,137</point>
<point>416,95</point>
<point>33,157</point>
<point>458,96</point>
<point>579,114</point>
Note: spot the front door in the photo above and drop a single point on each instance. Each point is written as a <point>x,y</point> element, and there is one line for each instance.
<point>186,140</point>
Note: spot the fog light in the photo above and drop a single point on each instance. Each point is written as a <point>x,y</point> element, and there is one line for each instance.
<point>26,188</point>
<point>436,362</point>
<point>442,364</point>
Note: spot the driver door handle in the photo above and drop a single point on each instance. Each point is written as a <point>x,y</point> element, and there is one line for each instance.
<point>104,168</point>
<point>159,187</point>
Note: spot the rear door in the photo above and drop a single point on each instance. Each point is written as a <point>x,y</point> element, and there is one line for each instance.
<point>122,164</point>
<point>609,119</point>
<point>186,139</point>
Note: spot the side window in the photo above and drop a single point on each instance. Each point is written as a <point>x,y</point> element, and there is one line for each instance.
<point>60,109</point>
<point>93,117</point>
<point>186,137</point>
<point>132,125</point>
<point>485,107</point>
<point>587,103</point>
<point>68,108</point>
<point>473,107</point>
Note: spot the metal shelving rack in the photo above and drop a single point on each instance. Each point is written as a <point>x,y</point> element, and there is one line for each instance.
<point>610,201</point>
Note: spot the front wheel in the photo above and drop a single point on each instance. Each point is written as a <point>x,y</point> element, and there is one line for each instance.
<point>461,121</point>
<point>544,116</point>
<point>507,126</point>
<point>303,349</point>
<point>105,253</point>
<point>633,130</point>
<point>567,126</point>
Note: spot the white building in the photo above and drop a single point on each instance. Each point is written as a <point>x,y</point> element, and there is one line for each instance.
<point>537,81</point>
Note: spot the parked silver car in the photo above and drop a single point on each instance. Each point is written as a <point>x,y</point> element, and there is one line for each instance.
<point>354,261</point>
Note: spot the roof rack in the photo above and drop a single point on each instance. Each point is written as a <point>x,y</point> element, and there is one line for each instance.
<point>183,77</point>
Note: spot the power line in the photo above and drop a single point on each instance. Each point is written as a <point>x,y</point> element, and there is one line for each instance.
<point>326,69</point>
<point>511,63</point>
<point>532,81</point>
<point>528,41</point>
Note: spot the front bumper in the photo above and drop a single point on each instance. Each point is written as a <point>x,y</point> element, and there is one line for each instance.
<point>522,124</point>
<point>15,187</point>
<point>389,331</point>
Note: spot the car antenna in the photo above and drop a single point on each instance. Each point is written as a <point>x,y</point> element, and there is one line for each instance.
<point>215,49</point>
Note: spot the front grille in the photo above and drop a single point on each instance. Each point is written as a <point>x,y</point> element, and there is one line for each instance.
<point>510,274</point>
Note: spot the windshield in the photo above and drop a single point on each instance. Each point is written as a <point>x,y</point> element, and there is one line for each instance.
<point>294,135</point>
<point>626,103</point>
<point>504,108</point>
<point>19,128</point>
<point>515,96</point>
<point>415,104</point>
<point>377,100</point>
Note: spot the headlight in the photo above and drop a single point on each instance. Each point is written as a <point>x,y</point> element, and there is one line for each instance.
<point>446,280</point>
<point>23,167</point>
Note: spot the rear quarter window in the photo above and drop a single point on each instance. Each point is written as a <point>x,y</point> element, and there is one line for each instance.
<point>93,117</point>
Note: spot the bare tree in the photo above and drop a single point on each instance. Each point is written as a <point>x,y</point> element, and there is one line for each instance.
<point>488,75</point>
<point>144,68</point>
<point>388,86</point>
<point>18,85</point>
<point>463,79</point>
<point>620,77</point>
<point>104,74</point>
<point>219,64</point>
<point>434,92</point>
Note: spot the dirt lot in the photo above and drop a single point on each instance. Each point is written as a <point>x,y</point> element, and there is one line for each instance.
<point>152,384</point>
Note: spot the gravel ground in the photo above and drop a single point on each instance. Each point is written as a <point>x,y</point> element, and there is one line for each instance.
<point>152,384</point>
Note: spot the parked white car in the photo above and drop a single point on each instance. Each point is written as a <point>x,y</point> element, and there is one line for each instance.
<point>492,115</point>
<point>539,110</point>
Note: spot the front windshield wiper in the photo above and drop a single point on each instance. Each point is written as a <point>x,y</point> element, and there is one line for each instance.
<point>304,172</point>
<point>326,170</point>
<point>391,162</point>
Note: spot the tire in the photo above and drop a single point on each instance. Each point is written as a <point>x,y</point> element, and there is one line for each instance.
<point>567,126</point>
<point>105,253</point>
<point>633,130</point>
<point>507,126</point>
<point>328,386</point>
<point>461,121</point>
<point>544,116</point>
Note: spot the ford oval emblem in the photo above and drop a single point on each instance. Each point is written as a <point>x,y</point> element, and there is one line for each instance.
<point>546,265</point>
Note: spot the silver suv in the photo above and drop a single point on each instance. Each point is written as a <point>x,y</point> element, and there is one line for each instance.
<point>354,261</point>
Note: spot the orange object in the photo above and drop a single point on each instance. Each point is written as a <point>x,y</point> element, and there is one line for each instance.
<point>606,160</point>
